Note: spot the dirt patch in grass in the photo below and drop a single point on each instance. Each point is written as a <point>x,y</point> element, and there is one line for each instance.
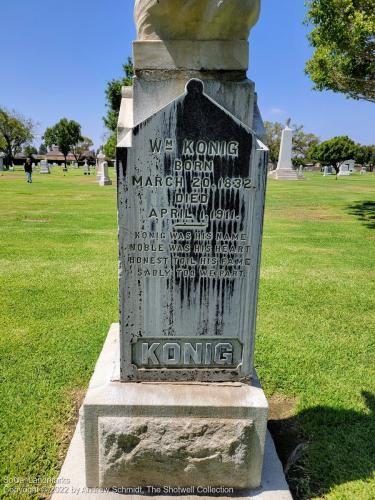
<point>286,434</point>
<point>282,426</point>
<point>65,431</point>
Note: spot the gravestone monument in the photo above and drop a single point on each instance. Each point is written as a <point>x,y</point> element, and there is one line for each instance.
<point>347,168</point>
<point>44,167</point>
<point>344,170</point>
<point>104,179</point>
<point>100,159</point>
<point>284,169</point>
<point>174,401</point>
<point>1,162</point>
<point>86,168</point>
<point>327,171</point>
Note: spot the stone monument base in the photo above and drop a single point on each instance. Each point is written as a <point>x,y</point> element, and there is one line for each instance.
<point>206,437</point>
<point>286,175</point>
<point>105,181</point>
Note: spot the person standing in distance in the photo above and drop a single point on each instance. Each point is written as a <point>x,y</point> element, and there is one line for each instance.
<point>28,167</point>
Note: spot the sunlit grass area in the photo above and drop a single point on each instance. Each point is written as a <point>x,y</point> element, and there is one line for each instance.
<point>315,349</point>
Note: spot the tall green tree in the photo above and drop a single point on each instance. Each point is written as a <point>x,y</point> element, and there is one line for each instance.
<point>109,148</point>
<point>343,37</point>
<point>113,95</point>
<point>113,103</point>
<point>366,156</point>
<point>65,135</point>
<point>15,132</point>
<point>302,142</point>
<point>42,149</point>
<point>335,151</point>
<point>82,148</point>
<point>30,151</point>
<point>273,139</point>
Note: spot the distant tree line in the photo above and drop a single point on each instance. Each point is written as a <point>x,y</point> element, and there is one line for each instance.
<point>18,133</point>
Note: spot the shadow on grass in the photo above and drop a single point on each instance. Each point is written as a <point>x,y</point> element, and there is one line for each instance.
<point>364,211</point>
<point>324,447</point>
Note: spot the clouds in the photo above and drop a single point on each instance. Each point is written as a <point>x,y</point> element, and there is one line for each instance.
<point>276,111</point>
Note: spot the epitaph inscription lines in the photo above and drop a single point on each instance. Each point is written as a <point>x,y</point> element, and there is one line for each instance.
<point>187,191</point>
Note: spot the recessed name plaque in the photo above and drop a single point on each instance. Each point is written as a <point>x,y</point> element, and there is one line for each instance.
<point>190,200</point>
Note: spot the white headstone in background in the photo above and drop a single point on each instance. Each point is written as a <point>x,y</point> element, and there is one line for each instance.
<point>284,170</point>
<point>348,166</point>
<point>100,159</point>
<point>44,167</point>
<point>363,170</point>
<point>344,169</point>
<point>104,177</point>
<point>86,168</point>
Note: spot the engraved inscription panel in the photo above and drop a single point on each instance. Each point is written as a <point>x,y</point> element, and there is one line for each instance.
<point>191,196</point>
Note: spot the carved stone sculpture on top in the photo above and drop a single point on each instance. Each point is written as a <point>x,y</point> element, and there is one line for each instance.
<point>195,19</point>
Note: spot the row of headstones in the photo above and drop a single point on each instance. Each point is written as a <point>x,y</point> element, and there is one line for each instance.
<point>102,169</point>
<point>345,169</point>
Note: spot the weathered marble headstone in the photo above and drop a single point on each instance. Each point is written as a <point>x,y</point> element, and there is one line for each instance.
<point>100,159</point>
<point>104,179</point>
<point>347,168</point>
<point>284,170</point>
<point>363,171</point>
<point>182,406</point>
<point>191,196</point>
<point>44,167</point>
<point>327,171</point>
<point>86,168</point>
<point>344,170</point>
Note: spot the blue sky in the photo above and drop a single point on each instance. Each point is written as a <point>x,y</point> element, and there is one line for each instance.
<point>57,55</point>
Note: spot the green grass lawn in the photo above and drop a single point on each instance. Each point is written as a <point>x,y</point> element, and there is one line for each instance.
<point>315,342</point>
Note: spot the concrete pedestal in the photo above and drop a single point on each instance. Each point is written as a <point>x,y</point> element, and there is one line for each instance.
<point>123,425</point>
<point>285,175</point>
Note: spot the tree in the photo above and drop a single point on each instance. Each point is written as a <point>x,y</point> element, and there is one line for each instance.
<point>82,148</point>
<point>302,142</point>
<point>344,42</point>
<point>113,103</point>
<point>42,149</point>
<point>15,132</point>
<point>109,148</point>
<point>30,151</point>
<point>334,151</point>
<point>273,139</point>
<point>65,135</point>
<point>113,95</point>
<point>366,156</point>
